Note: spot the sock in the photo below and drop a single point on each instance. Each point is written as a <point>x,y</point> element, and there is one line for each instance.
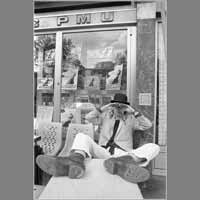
<point>138,159</point>
<point>80,152</point>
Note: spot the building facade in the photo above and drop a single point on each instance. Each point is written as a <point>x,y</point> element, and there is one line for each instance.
<point>87,51</point>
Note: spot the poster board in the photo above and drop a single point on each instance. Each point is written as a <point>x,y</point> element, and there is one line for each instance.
<point>45,83</point>
<point>70,79</point>
<point>92,82</point>
<point>113,80</point>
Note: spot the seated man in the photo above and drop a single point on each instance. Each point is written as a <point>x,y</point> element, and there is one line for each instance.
<point>118,120</point>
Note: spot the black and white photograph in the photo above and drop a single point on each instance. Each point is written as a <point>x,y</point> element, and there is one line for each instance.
<point>45,83</point>
<point>100,99</point>
<point>113,80</point>
<point>69,79</point>
<point>92,82</point>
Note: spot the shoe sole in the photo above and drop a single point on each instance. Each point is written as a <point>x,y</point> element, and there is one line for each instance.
<point>54,167</point>
<point>128,171</point>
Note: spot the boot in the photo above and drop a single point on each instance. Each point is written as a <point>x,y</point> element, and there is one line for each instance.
<point>127,168</point>
<point>71,166</point>
<point>128,158</point>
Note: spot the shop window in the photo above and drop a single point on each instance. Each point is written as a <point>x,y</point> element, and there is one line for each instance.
<point>94,67</point>
<point>44,66</point>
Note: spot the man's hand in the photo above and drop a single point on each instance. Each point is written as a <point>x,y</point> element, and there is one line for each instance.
<point>98,108</point>
<point>137,114</point>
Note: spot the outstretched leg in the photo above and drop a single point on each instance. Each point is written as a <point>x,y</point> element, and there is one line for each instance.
<point>83,143</point>
<point>72,165</point>
<point>131,165</point>
<point>127,168</point>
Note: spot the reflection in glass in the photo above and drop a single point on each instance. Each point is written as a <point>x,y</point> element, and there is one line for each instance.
<point>94,67</point>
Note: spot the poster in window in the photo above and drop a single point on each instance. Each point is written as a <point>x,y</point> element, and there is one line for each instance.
<point>92,83</point>
<point>113,79</point>
<point>49,56</point>
<point>70,79</point>
<point>45,83</point>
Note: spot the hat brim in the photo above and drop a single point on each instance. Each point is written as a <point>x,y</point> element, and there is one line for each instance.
<point>113,101</point>
<point>128,107</point>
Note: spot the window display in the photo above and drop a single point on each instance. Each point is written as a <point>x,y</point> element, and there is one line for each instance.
<point>45,83</point>
<point>113,80</point>
<point>44,66</point>
<point>92,83</point>
<point>93,69</point>
<point>69,79</point>
<point>99,58</point>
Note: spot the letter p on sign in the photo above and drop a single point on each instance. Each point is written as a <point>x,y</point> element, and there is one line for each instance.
<point>61,20</point>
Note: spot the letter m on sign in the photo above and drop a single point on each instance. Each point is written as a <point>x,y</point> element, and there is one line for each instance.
<point>83,19</point>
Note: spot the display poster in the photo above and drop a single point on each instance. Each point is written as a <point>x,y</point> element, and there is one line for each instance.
<point>92,82</point>
<point>45,83</point>
<point>70,79</point>
<point>113,80</point>
<point>44,113</point>
<point>49,56</point>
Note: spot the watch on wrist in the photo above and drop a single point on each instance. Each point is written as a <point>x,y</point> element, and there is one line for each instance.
<point>137,114</point>
<point>98,109</point>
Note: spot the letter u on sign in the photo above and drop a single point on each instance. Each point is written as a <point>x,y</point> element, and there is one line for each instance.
<point>107,16</point>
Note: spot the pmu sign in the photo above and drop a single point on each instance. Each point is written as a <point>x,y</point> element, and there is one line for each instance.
<point>69,20</point>
<point>80,19</point>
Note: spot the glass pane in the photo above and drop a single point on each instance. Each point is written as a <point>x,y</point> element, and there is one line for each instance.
<point>94,68</point>
<point>44,65</point>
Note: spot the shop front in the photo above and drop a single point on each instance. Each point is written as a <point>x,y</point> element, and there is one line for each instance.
<point>98,57</point>
<point>83,57</point>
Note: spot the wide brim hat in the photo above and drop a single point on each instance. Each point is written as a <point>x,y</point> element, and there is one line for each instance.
<point>120,98</point>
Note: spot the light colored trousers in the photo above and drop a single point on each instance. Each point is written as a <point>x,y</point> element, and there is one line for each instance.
<point>85,143</point>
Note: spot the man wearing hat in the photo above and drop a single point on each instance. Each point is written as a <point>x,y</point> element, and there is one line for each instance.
<point>118,122</point>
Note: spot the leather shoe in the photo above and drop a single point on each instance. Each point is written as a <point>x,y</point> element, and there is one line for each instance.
<point>126,168</point>
<point>71,166</point>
